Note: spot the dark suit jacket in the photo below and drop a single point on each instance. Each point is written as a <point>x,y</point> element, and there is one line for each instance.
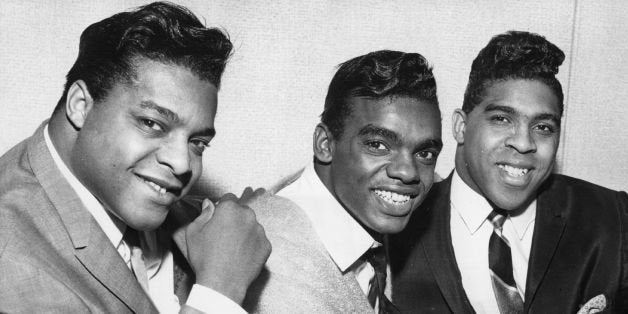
<point>53,255</point>
<point>579,250</point>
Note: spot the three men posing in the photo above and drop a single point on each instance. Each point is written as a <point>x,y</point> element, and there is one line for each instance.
<point>124,146</point>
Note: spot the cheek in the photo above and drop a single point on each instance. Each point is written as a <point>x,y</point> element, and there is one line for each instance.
<point>196,163</point>
<point>426,175</point>
<point>547,150</point>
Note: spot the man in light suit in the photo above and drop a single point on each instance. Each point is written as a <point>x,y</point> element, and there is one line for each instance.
<point>503,234</point>
<point>89,219</point>
<point>374,155</point>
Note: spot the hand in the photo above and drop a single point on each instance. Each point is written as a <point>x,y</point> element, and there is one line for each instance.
<point>227,247</point>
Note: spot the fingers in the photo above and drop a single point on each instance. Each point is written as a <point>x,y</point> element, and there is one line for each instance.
<point>227,197</point>
<point>248,194</point>
<point>248,191</point>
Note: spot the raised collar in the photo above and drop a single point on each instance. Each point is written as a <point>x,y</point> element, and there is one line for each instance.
<point>473,208</point>
<point>343,237</point>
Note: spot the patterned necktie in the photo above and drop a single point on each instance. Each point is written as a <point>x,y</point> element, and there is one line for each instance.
<point>131,237</point>
<point>377,258</point>
<point>500,264</point>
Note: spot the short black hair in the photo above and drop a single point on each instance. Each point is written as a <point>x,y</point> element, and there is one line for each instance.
<point>514,55</point>
<point>161,31</point>
<point>377,75</point>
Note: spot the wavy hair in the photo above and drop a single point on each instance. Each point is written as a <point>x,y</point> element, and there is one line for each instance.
<point>514,55</point>
<point>377,75</point>
<point>160,31</point>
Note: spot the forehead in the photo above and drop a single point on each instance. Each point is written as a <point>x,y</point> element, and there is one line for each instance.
<point>525,97</point>
<point>168,86</point>
<point>409,117</point>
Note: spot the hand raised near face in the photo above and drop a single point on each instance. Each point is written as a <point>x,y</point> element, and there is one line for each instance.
<point>227,247</point>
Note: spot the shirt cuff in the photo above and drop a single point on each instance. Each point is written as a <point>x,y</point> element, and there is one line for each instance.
<point>208,300</point>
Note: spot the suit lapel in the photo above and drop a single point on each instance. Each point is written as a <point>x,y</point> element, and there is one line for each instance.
<point>439,252</point>
<point>549,226</point>
<point>101,259</point>
<point>92,247</point>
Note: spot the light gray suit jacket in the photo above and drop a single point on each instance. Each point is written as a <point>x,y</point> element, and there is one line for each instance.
<point>299,276</point>
<point>53,255</point>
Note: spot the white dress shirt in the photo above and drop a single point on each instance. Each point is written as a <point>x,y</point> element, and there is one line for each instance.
<point>344,238</point>
<point>470,234</point>
<point>157,256</point>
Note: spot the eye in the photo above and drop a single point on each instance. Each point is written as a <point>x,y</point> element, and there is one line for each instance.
<point>376,146</point>
<point>544,128</point>
<point>151,125</point>
<point>427,156</point>
<point>199,144</point>
<point>500,119</point>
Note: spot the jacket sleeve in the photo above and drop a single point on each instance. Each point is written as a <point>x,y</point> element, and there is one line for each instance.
<point>622,294</point>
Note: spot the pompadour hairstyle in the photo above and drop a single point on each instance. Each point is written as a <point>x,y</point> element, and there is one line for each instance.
<point>514,55</point>
<point>377,75</point>
<point>160,31</point>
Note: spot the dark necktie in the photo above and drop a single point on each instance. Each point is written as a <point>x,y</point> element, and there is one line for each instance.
<point>500,264</point>
<point>377,258</point>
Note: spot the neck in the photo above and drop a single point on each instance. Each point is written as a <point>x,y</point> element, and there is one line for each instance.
<point>62,135</point>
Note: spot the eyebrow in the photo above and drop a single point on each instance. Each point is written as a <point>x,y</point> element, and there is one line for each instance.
<point>370,130</point>
<point>510,110</point>
<point>392,136</point>
<point>493,107</point>
<point>172,116</point>
<point>164,112</point>
<point>431,143</point>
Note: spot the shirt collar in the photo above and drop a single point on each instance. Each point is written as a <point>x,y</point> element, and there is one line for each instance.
<point>114,229</point>
<point>343,237</point>
<point>473,208</point>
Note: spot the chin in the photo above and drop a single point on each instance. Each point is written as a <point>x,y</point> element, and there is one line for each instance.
<point>512,203</point>
<point>392,227</point>
<point>146,223</point>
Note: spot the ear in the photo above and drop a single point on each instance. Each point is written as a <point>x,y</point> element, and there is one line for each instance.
<point>78,103</point>
<point>323,143</point>
<point>458,124</point>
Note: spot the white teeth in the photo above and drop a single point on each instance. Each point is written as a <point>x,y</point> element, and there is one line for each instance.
<point>392,197</point>
<point>515,172</point>
<point>156,187</point>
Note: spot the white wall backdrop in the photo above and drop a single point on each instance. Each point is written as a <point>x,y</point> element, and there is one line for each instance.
<point>286,53</point>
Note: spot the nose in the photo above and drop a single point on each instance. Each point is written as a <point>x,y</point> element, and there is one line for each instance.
<point>521,140</point>
<point>175,155</point>
<point>404,168</point>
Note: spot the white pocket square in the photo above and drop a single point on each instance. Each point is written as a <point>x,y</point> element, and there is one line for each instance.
<point>595,305</point>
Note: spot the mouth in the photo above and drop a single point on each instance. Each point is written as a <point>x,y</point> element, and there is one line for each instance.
<point>515,172</point>
<point>156,187</point>
<point>393,198</point>
<point>161,187</point>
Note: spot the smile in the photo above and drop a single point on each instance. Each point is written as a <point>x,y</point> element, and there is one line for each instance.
<point>513,171</point>
<point>392,197</point>
<point>156,187</point>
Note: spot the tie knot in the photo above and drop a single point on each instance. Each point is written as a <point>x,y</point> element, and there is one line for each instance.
<point>377,258</point>
<point>497,218</point>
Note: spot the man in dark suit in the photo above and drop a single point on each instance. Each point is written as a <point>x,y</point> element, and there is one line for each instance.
<point>88,221</point>
<point>502,234</point>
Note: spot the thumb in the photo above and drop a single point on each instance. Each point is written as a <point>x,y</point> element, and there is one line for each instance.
<point>207,210</point>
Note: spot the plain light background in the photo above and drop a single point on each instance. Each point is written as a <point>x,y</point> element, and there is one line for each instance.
<point>286,53</point>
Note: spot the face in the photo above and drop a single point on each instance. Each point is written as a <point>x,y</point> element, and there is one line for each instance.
<point>507,144</point>
<point>139,149</point>
<point>382,166</point>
